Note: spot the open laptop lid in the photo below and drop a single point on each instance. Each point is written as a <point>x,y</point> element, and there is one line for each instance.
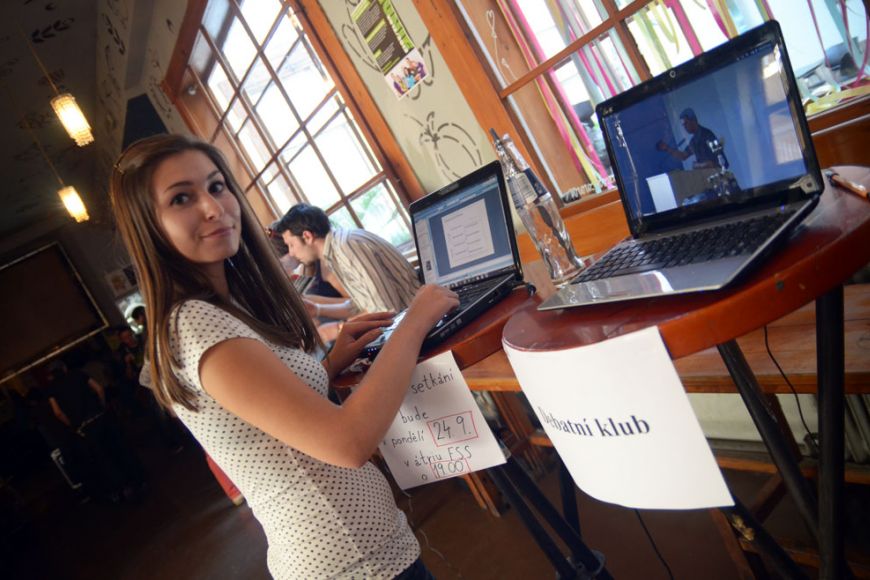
<point>464,231</point>
<point>734,113</point>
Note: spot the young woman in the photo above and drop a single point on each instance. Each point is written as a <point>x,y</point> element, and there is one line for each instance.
<point>230,344</point>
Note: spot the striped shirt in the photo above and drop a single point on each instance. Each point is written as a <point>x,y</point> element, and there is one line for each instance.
<point>376,276</point>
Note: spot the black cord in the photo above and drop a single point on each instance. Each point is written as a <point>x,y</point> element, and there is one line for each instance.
<point>654,546</point>
<point>788,382</point>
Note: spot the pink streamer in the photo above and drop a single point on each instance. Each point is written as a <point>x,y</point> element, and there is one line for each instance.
<point>581,133</point>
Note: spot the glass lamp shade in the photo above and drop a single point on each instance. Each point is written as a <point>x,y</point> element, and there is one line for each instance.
<point>72,119</point>
<point>73,203</point>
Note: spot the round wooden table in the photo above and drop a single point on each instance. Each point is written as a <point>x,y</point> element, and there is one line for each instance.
<point>829,247</point>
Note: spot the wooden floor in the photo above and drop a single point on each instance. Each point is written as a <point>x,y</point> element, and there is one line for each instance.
<point>186,528</point>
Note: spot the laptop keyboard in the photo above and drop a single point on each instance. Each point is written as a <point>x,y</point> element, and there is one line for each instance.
<point>731,239</point>
<point>471,292</point>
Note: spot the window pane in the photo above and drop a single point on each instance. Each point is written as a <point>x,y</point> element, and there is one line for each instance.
<point>236,116</point>
<point>269,173</point>
<point>346,157</point>
<point>312,178</point>
<point>587,12</point>
<point>707,30</point>
<point>304,79</point>
<point>341,218</point>
<point>276,115</point>
<point>659,37</point>
<point>259,15</point>
<point>324,114</point>
<point>220,87</point>
<point>381,215</point>
<point>282,41</point>
<point>215,16</point>
<point>280,192</point>
<point>256,82</point>
<point>543,28</point>
<point>254,146</point>
<point>238,49</point>
<point>823,67</point>
<point>294,147</point>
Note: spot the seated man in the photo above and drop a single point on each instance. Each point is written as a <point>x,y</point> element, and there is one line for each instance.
<point>368,268</point>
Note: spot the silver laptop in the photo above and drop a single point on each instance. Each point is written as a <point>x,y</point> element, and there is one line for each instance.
<point>715,166</point>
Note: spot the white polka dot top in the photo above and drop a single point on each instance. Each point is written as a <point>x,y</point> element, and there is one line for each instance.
<point>321,521</point>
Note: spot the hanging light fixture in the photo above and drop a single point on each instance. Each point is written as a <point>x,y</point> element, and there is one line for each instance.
<point>73,203</point>
<point>72,119</point>
<point>67,193</point>
<point>65,106</point>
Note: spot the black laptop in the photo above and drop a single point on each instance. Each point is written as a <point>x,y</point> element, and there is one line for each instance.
<point>715,166</point>
<point>465,241</point>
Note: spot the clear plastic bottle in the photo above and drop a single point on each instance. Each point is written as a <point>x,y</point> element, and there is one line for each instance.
<point>539,213</point>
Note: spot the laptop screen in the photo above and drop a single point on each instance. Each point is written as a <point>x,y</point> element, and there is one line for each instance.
<point>463,236</point>
<point>721,134</point>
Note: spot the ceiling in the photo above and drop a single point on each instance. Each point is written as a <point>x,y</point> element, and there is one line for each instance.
<point>104,52</point>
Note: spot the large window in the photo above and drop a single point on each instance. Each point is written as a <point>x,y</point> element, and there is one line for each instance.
<point>554,61</point>
<point>274,102</point>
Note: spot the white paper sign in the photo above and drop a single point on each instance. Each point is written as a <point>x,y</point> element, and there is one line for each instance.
<point>439,432</point>
<point>621,421</point>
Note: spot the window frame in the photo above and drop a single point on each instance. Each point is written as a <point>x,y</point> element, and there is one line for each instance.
<point>492,105</point>
<point>379,145</point>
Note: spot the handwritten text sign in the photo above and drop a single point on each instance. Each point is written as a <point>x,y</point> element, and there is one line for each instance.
<point>439,432</point>
<point>618,416</point>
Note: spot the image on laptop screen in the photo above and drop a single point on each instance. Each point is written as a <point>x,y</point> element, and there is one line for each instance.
<point>464,237</point>
<point>711,141</point>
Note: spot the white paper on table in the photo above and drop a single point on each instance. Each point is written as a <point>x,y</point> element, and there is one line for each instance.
<point>439,432</point>
<point>619,417</point>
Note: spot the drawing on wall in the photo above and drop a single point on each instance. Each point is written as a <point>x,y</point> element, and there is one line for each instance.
<point>46,33</point>
<point>7,66</point>
<point>452,147</point>
<point>426,50</point>
<point>502,61</point>
<point>115,36</point>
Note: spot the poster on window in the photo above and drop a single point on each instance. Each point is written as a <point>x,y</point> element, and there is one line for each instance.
<point>386,36</point>
<point>439,431</point>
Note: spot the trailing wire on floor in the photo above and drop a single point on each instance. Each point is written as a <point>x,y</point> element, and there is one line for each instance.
<point>653,544</point>
<point>790,386</point>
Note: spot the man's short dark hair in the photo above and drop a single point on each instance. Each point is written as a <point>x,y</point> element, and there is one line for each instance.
<point>274,235</point>
<point>303,217</point>
<point>137,312</point>
<point>689,113</point>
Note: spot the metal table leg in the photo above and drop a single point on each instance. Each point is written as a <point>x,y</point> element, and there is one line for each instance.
<point>513,482</point>
<point>569,499</point>
<point>767,425</point>
<point>830,363</point>
<point>751,531</point>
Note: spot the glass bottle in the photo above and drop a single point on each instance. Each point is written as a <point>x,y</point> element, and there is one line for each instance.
<point>538,212</point>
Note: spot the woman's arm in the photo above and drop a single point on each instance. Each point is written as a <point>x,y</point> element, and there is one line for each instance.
<point>339,308</point>
<point>247,379</point>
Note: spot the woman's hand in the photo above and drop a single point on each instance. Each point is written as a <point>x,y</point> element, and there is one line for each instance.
<point>430,304</point>
<point>355,333</point>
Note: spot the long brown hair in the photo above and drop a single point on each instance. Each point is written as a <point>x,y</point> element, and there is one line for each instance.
<point>267,300</point>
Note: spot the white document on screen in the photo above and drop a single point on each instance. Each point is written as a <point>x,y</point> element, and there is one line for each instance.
<point>620,419</point>
<point>439,431</point>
